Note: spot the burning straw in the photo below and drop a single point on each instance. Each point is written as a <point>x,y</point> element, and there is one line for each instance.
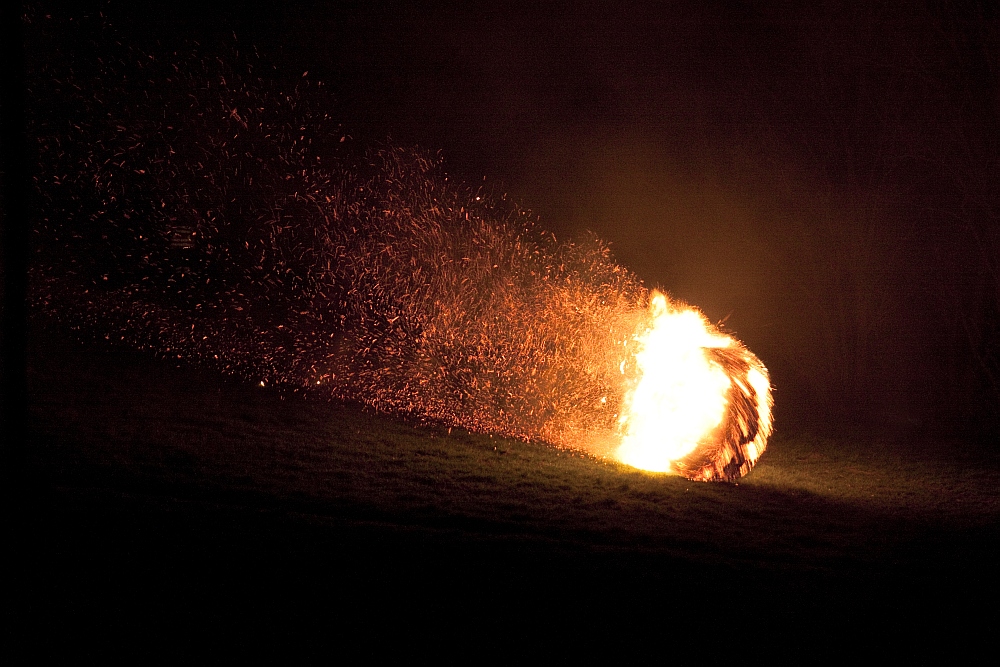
<point>208,215</point>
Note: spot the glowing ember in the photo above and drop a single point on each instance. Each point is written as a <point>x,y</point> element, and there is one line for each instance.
<point>213,218</point>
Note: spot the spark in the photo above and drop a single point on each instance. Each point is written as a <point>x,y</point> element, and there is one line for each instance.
<point>203,212</point>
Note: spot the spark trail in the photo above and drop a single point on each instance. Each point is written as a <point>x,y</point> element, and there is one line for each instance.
<point>202,211</point>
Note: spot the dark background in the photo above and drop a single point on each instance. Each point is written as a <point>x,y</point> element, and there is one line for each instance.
<point>821,178</point>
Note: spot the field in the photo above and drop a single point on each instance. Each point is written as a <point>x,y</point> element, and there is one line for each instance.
<point>172,505</point>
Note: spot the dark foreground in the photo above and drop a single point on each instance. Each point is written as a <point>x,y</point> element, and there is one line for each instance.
<point>177,514</point>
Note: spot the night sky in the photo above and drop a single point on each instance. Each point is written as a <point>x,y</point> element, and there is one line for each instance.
<point>821,178</point>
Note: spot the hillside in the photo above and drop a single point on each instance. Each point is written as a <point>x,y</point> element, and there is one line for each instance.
<point>171,501</point>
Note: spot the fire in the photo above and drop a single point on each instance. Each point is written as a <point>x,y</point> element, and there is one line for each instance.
<point>252,240</point>
<point>700,405</point>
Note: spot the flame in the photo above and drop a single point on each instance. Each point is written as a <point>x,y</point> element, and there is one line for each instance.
<point>679,415</point>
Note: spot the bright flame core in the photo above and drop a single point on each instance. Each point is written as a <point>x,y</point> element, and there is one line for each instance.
<point>687,373</point>
<point>680,396</point>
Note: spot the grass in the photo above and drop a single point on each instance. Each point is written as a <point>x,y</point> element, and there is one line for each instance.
<point>172,498</point>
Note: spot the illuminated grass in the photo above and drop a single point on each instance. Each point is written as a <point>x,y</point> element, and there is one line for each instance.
<point>162,479</point>
<point>128,421</point>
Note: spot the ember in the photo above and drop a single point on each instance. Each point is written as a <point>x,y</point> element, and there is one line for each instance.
<point>214,218</point>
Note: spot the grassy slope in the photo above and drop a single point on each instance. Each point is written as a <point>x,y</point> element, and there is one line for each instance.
<point>171,498</point>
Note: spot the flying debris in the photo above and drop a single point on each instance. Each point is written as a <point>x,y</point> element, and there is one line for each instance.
<point>190,206</point>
